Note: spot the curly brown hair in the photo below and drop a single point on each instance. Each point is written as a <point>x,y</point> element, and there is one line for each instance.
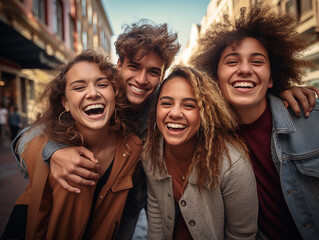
<point>275,32</point>
<point>147,36</point>
<point>59,125</point>
<point>218,128</point>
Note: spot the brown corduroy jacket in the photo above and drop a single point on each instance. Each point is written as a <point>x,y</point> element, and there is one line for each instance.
<point>54,213</point>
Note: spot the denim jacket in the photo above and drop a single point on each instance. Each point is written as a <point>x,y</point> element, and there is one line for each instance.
<point>295,153</point>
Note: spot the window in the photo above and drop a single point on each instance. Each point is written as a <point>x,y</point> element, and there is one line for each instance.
<point>58,18</point>
<point>72,31</point>
<point>306,5</point>
<point>94,23</point>
<point>83,8</point>
<point>102,38</point>
<point>39,9</point>
<point>84,40</point>
<point>291,8</point>
<point>31,89</point>
<point>89,9</point>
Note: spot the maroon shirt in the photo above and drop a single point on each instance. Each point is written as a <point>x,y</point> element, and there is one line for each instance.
<point>274,218</point>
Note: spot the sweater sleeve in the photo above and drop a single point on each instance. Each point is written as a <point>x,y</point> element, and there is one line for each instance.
<point>240,198</point>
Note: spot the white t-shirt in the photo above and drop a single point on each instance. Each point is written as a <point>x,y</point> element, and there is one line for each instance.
<point>3,116</point>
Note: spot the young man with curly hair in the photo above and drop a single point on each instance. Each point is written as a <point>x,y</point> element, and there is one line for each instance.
<point>253,59</point>
<point>145,50</point>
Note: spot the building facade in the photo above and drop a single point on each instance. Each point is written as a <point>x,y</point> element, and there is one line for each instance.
<point>37,36</point>
<point>306,13</point>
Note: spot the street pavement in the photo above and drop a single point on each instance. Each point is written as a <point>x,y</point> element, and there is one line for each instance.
<point>12,184</point>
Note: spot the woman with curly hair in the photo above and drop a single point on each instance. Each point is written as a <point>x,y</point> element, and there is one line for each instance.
<point>200,181</point>
<point>251,59</point>
<point>85,108</point>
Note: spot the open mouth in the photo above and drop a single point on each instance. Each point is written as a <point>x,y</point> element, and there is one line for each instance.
<point>138,90</point>
<point>175,126</point>
<point>94,109</point>
<point>244,85</point>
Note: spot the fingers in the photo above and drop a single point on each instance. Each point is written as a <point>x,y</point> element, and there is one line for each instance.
<point>285,103</point>
<point>75,165</point>
<point>305,96</point>
<point>87,153</point>
<point>305,99</point>
<point>290,100</point>
<point>68,187</point>
<point>314,89</point>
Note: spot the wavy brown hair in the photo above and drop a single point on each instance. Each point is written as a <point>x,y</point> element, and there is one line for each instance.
<point>216,133</point>
<point>61,127</point>
<point>147,36</point>
<point>275,32</point>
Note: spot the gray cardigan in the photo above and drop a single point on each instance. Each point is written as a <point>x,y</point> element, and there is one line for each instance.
<point>228,212</point>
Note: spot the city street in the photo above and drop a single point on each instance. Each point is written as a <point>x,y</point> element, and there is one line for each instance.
<point>12,184</point>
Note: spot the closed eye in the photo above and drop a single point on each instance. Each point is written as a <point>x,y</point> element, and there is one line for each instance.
<point>78,88</point>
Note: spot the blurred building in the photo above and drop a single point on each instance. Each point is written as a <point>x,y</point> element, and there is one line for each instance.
<point>306,13</point>
<point>37,36</point>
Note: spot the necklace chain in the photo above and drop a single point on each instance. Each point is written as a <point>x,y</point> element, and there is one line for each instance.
<point>179,171</point>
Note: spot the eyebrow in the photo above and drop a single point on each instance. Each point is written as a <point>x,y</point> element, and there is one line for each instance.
<point>184,99</point>
<point>152,68</point>
<point>237,54</point>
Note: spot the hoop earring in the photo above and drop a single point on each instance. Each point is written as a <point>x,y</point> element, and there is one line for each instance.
<point>61,116</point>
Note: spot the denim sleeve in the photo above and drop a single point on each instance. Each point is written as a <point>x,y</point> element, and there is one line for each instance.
<point>49,148</point>
<point>18,145</point>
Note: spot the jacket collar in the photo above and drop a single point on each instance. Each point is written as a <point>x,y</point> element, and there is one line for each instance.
<point>157,175</point>
<point>282,122</point>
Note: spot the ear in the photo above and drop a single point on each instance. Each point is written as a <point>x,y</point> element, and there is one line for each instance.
<point>270,83</point>
<point>119,65</point>
<point>65,104</point>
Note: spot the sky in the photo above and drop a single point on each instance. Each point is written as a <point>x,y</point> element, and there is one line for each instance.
<point>178,14</point>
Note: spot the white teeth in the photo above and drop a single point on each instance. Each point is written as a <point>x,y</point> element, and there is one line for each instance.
<point>175,125</point>
<point>243,84</point>
<point>94,106</point>
<point>136,89</point>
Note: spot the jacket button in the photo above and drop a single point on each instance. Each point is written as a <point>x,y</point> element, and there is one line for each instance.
<point>101,196</point>
<point>192,223</point>
<point>183,203</point>
<point>124,154</point>
<point>169,195</point>
<point>169,218</point>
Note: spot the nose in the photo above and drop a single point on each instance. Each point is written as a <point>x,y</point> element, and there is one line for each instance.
<point>93,92</point>
<point>176,113</point>
<point>141,77</point>
<point>244,68</point>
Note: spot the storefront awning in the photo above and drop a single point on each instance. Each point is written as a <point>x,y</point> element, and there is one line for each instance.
<point>25,53</point>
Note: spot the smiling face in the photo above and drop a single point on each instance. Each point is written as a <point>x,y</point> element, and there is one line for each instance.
<point>244,76</point>
<point>178,117</point>
<point>140,77</point>
<point>89,96</point>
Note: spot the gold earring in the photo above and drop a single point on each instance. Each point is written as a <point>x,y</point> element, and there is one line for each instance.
<point>61,116</point>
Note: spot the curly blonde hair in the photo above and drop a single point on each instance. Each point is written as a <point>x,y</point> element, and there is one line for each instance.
<point>217,130</point>
<point>275,32</point>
